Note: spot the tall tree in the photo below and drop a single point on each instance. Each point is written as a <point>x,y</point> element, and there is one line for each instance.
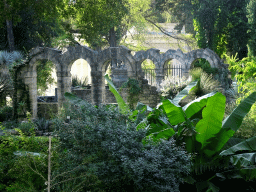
<point>9,9</point>
<point>98,21</point>
<point>251,10</point>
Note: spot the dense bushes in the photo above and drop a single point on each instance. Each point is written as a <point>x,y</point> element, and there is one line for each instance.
<point>17,170</point>
<point>5,113</point>
<point>105,143</point>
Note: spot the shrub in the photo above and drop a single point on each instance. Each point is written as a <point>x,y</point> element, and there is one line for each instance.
<point>171,86</point>
<point>16,172</point>
<point>5,113</point>
<point>79,82</point>
<point>106,144</point>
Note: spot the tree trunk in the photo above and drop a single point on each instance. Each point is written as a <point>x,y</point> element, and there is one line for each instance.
<point>10,35</point>
<point>9,28</point>
<point>112,43</point>
<point>112,37</point>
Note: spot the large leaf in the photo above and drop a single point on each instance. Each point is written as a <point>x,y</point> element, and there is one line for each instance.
<point>181,95</point>
<point>157,123</point>
<point>234,120</point>
<point>249,145</point>
<point>163,134</point>
<point>121,104</point>
<point>231,124</point>
<point>212,118</point>
<point>195,106</point>
<point>174,113</point>
<point>216,143</point>
<point>244,159</point>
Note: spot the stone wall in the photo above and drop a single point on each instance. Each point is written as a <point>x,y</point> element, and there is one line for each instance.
<point>148,95</point>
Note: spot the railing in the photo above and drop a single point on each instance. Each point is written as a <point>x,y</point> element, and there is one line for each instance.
<point>173,71</point>
<point>150,74</point>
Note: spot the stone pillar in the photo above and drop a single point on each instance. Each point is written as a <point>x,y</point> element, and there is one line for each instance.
<point>98,87</point>
<point>31,82</point>
<point>159,76</point>
<point>64,85</point>
<point>119,76</point>
<point>186,72</point>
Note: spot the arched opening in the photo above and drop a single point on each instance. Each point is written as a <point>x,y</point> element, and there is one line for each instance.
<point>81,74</point>
<point>149,71</point>
<point>46,78</point>
<point>205,65</point>
<point>173,69</point>
<point>47,96</point>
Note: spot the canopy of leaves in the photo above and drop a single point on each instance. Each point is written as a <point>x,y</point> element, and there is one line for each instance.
<point>94,19</point>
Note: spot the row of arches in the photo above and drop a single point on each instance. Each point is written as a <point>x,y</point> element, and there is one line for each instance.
<point>97,64</point>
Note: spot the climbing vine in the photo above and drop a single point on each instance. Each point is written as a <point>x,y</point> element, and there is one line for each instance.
<point>134,91</point>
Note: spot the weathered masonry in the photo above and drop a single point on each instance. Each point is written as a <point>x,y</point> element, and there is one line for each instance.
<point>98,62</point>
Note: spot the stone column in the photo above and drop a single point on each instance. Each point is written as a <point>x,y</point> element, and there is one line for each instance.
<point>63,84</point>
<point>31,82</point>
<point>97,87</point>
<point>159,76</point>
<point>186,72</point>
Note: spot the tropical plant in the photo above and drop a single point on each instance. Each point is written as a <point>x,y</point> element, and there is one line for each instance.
<point>199,124</point>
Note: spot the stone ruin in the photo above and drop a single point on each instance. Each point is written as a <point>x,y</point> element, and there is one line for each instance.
<point>129,67</point>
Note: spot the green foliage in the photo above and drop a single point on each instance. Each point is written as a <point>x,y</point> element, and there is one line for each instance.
<point>251,15</point>
<point>121,104</point>
<point>221,25</point>
<point>133,91</point>
<point>245,74</point>
<point>104,15</point>
<point>206,83</point>
<point>205,65</point>
<point>105,143</point>
<point>33,24</point>
<point>5,113</point>
<point>199,124</point>
<point>27,128</point>
<point>18,169</point>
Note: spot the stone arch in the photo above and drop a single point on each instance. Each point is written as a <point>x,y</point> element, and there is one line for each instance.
<point>152,54</point>
<point>122,53</point>
<point>207,54</point>
<point>173,54</point>
<point>30,72</point>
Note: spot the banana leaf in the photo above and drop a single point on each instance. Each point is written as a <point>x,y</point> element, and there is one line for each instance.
<point>121,104</point>
<point>212,118</point>
<point>181,95</point>
<point>249,145</point>
<point>231,124</point>
<point>195,106</point>
<point>234,120</point>
<point>174,112</point>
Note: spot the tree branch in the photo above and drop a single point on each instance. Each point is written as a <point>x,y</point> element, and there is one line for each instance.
<point>167,33</point>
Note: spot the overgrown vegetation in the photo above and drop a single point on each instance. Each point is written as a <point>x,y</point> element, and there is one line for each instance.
<point>199,124</point>
<point>134,90</point>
